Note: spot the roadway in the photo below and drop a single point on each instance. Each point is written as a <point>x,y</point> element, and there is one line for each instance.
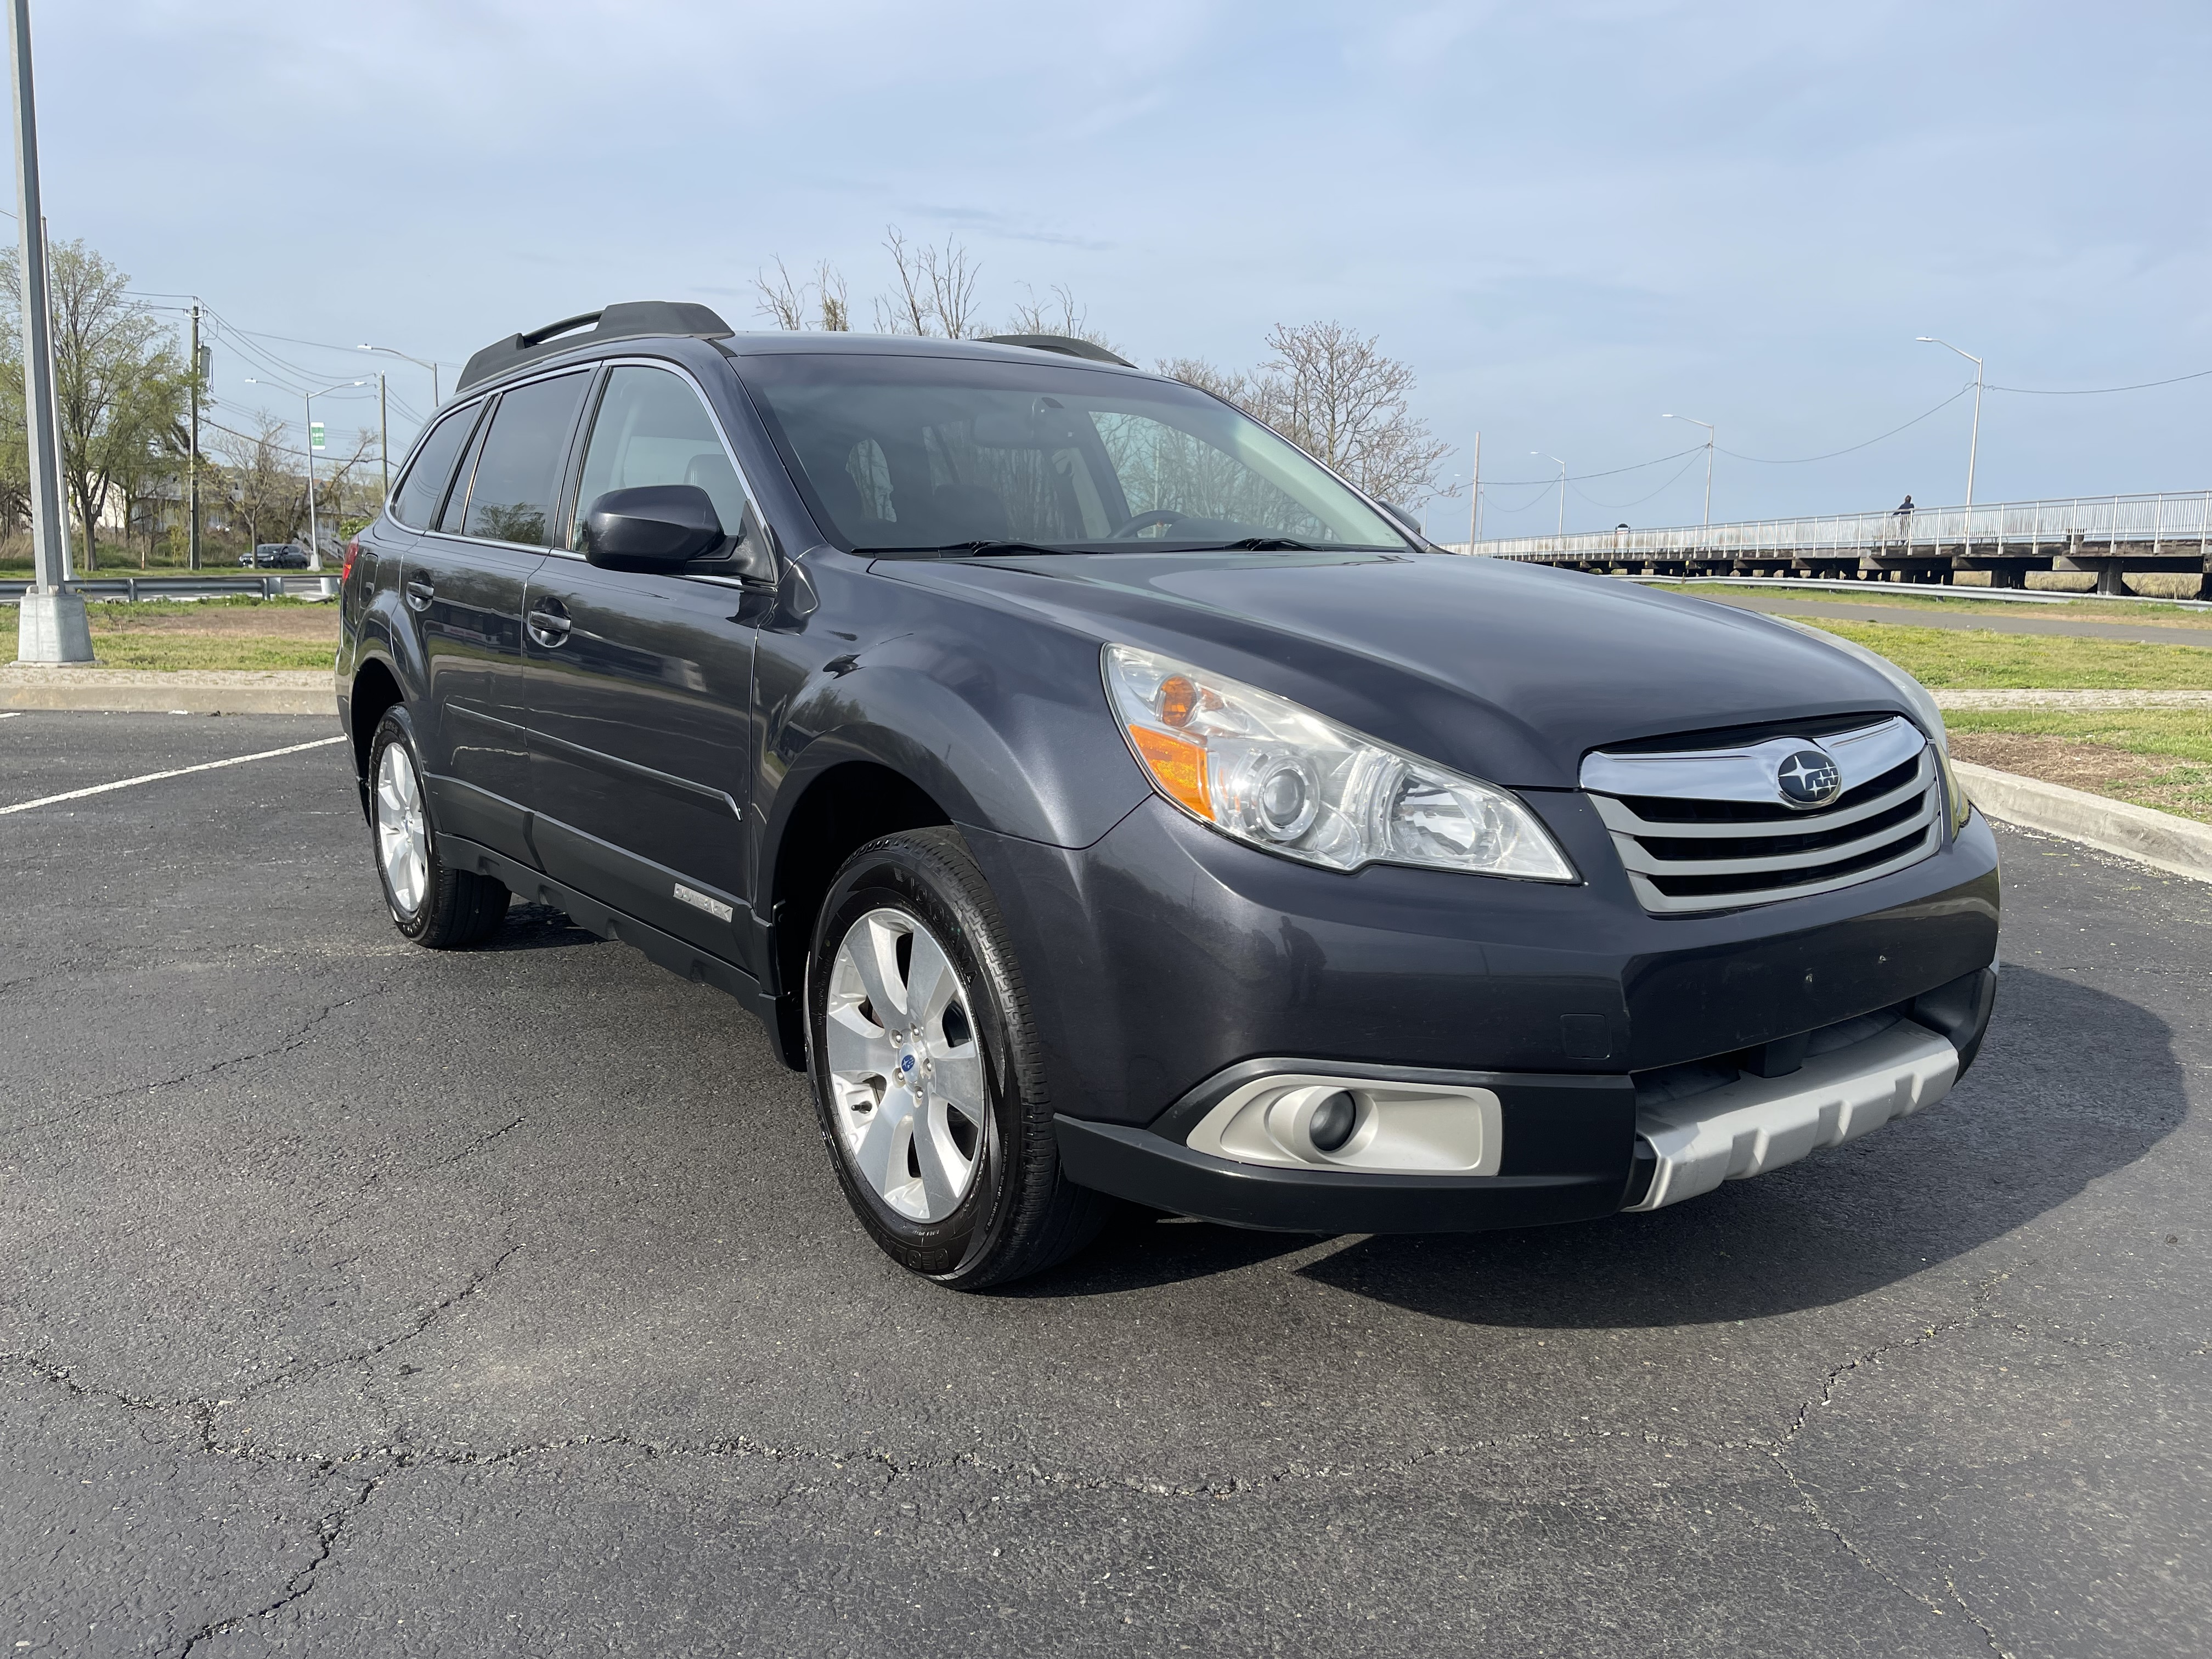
<point>359,1300</point>
<point>1904,615</point>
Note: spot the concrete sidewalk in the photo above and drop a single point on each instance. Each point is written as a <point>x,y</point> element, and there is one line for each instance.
<point>183,691</point>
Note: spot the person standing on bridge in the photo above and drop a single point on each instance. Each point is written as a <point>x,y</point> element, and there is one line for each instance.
<point>1904,508</point>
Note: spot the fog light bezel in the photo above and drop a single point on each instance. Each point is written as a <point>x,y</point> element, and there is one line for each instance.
<point>1402,1127</point>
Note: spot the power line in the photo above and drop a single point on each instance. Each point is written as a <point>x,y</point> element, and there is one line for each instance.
<point>1801,460</point>
<point>2098,391</point>
<point>1615,506</point>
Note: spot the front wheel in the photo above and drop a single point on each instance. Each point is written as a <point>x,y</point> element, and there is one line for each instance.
<point>926,1069</point>
<point>434,905</point>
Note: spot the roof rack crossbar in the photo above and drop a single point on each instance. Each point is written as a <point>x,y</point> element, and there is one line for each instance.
<point>635,320</point>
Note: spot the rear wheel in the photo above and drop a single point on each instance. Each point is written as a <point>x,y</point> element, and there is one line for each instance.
<point>926,1071</point>
<point>435,906</point>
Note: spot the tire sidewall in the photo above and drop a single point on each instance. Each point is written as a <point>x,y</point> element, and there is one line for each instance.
<point>895,874</point>
<point>398,728</point>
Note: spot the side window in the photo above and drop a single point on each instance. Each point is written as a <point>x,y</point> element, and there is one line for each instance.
<point>420,491</point>
<point>517,472</point>
<point>652,429</point>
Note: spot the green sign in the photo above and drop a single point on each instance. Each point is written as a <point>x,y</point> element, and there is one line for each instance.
<point>314,434</point>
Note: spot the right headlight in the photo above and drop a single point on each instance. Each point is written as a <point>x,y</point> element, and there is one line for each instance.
<point>1262,769</point>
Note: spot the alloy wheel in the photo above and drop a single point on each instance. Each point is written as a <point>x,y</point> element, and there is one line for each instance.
<point>906,1075</point>
<point>402,841</point>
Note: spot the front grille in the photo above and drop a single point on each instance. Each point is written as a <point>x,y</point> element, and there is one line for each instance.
<point>1706,829</point>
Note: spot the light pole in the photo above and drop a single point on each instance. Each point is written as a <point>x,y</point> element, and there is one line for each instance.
<point>1708,426</point>
<point>314,524</point>
<point>1562,465</point>
<point>1974,443</point>
<point>53,623</point>
<point>418,363</point>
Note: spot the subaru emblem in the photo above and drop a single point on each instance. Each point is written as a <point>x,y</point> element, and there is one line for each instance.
<point>1808,778</point>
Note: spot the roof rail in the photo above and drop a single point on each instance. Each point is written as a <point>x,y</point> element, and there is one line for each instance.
<point>637,320</point>
<point>1066,344</point>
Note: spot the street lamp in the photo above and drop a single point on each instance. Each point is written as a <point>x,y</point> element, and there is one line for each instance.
<point>418,363</point>
<point>1708,426</point>
<point>1974,443</point>
<point>1562,465</point>
<point>314,525</point>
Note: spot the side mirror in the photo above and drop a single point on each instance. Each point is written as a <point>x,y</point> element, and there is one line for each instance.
<point>653,527</point>
<point>1406,518</point>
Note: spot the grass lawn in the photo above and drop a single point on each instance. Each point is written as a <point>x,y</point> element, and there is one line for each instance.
<point>1962,660</point>
<point>227,632</point>
<point>2159,757</point>
<point>2161,616</point>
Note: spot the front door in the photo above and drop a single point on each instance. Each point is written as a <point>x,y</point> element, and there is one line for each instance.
<point>640,687</point>
<point>463,582</point>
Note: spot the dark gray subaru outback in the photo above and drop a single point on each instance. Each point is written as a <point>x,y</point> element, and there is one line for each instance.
<point>1100,799</point>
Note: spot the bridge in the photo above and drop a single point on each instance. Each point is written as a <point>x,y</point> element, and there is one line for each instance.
<point>2107,535</point>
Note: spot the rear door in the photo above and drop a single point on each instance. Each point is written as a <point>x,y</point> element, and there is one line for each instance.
<point>641,686</point>
<point>463,582</point>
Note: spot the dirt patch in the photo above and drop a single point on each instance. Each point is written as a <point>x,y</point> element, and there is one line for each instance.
<point>319,624</point>
<point>2181,787</point>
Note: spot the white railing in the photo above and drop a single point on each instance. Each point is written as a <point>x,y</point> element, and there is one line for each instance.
<point>2176,524</point>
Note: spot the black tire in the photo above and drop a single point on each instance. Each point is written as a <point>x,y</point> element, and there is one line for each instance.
<point>454,908</point>
<point>1019,1214</point>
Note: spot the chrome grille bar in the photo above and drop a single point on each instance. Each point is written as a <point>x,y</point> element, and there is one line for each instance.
<point>1730,797</point>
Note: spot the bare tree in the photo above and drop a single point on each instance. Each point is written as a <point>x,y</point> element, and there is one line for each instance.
<point>1229,384</point>
<point>1333,392</point>
<point>265,492</point>
<point>1058,314</point>
<point>936,289</point>
<point>797,304</point>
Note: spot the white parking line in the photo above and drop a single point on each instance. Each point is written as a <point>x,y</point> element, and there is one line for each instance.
<point>155,777</point>
<point>10,714</point>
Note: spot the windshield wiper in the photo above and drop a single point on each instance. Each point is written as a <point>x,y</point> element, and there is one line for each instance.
<point>981,549</point>
<point>1263,544</point>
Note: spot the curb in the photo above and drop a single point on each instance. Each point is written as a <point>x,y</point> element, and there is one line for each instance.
<point>2176,845</point>
<point>142,699</point>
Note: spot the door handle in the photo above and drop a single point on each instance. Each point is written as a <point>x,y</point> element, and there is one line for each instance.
<point>548,623</point>
<point>420,592</point>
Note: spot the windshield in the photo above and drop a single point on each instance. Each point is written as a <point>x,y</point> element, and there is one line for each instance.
<point>956,454</point>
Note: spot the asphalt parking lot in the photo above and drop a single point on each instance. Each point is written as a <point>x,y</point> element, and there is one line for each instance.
<point>361,1300</point>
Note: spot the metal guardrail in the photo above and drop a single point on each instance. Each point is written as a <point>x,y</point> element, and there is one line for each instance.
<point>262,584</point>
<point>2166,526</point>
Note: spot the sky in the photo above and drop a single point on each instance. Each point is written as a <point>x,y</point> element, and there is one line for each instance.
<point>1571,219</point>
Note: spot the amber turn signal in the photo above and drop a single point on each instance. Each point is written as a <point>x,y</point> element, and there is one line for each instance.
<point>1177,766</point>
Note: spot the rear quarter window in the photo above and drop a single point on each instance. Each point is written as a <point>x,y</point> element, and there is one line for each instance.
<point>416,500</point>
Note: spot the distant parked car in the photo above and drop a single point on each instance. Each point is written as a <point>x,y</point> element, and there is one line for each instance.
<point>275,555</point>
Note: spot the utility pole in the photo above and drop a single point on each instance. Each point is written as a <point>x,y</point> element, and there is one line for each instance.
<point>192,462</point>
<point>53,627</point>
<point>383,436</point>
<point>1474,503</point>
<point>1708,426</point>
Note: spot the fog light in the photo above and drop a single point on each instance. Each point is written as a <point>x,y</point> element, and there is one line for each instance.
<point>1332,1121</point>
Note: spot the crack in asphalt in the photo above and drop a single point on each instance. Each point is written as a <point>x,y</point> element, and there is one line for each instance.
<point>1779,1449</point>
<point>297,1038</point>
<point>327,1529</point>
<point>204,1408</point>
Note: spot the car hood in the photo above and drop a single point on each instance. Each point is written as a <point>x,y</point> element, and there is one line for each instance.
<point>1508,672</point>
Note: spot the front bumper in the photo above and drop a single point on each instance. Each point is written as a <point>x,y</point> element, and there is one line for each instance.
<point>1163,956</point>
<point>1575,1148</point>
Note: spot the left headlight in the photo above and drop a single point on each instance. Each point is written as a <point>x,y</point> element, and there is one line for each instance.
<point>1262,769</point>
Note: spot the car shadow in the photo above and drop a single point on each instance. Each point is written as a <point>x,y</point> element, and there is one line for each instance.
<point>2072,1084</point>
<point>533,927</point>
